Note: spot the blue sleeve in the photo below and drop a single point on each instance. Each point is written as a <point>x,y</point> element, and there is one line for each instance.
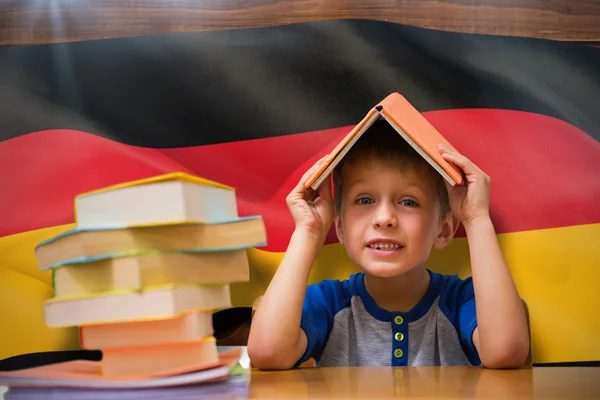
<point>459,305</point>
<point>468,323</point>
<point>321,302</point>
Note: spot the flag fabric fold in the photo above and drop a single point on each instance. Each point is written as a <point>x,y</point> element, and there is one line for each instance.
<point>254,108</point>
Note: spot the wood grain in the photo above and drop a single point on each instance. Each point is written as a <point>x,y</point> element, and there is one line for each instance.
<point>44,21</point>
<point>427,383</point>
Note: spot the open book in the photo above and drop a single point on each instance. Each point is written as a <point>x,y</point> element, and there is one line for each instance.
<point>410,124</point>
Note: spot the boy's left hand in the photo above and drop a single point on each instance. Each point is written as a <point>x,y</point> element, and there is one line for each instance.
<point>471,201</point>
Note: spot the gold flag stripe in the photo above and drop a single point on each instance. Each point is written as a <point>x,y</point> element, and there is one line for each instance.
<point>556,271</point>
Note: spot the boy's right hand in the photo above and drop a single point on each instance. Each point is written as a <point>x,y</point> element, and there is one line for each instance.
<point>312,210</point>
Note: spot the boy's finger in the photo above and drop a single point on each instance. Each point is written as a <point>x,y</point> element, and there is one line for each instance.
<point>462,162</point>
<point>444,150</point>
<point>301,185</point>
<point>325,189</point>
<point>312,169</point>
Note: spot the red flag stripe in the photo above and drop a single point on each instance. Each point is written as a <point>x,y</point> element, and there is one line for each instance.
<point>544,171</point>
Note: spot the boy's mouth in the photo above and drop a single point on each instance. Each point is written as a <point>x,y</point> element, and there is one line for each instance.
<point>384,244</point>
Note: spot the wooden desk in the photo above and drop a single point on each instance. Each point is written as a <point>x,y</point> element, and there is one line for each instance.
<point>28,22</point>
<point>428,383</point>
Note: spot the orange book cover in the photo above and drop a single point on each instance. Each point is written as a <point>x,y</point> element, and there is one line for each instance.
<point>187,327</point>
<point>410,124</point>
<point>159,359</point>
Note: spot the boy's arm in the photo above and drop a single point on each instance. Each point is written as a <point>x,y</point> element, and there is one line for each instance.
<point>502,336</point>
<point>276,340</point>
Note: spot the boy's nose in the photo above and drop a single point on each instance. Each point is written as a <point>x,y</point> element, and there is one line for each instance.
<point>385,217</point>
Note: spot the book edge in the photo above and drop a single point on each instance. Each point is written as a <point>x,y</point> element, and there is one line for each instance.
<point>343,148</point>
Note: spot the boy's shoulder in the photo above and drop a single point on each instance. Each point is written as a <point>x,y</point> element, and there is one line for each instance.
<point>453,286</point>
<point>455,293</point>
<point>450,291</point>
<point>336,294</point>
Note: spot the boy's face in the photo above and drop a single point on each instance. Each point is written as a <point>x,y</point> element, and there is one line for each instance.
<point>390,218</point>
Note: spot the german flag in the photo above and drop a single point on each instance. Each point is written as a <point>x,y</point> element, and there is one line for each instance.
<point>254,108</point>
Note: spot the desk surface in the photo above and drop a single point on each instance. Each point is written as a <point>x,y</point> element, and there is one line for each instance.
<point>428,383</point>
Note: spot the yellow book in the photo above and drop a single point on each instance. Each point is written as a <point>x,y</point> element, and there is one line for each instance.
<point>151,269</point>
<point>83,245</point>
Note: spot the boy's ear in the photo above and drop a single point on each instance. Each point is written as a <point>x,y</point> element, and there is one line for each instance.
<point>449,228</point>
<point>339,230</point>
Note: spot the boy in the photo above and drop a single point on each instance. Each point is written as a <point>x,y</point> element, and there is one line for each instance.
<point>391,209</point>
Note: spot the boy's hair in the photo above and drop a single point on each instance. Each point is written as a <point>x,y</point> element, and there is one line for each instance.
<point>382,143</point>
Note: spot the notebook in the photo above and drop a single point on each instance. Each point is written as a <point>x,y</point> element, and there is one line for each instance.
<point>234,388</point>
<point>87,374</point>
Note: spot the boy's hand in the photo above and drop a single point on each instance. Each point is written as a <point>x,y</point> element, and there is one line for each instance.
<point>312,210</point>
<point>501,337</point>
<point>472,201</point>
<point>282,303</point>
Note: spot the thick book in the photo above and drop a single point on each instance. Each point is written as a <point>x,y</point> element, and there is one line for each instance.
<point>150,269</point>
<point>410,124</point>
<point>187,327</point>
<point>171,198</point>
<point>79,245</point>
<point>148,303</point>
<point>159,358</point>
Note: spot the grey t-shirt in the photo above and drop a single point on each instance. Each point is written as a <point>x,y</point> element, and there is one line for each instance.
<point>345,327</point>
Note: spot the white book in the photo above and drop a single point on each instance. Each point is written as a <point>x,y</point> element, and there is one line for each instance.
<point>151,303</point>
<point>165,199</point>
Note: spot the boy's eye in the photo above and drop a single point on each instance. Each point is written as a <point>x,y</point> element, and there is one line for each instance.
<point>364,200</point>
<point>409,203</point>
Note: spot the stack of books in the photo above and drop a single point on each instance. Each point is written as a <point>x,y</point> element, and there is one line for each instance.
<point>146,266</point>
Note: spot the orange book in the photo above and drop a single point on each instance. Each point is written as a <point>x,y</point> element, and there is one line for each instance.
<point>187,327</point>
<point>410,124</point>
<point>154,360</point>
